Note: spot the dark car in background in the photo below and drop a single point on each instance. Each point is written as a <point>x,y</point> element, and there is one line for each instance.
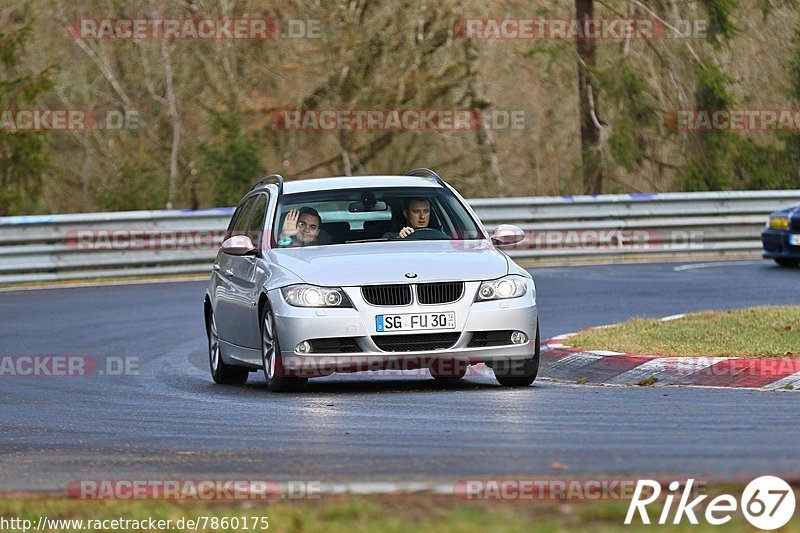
<point>781,238</point>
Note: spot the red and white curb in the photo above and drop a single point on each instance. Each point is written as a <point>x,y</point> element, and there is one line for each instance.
<point>565,363</point>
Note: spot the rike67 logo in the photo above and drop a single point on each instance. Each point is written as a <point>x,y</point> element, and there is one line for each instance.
<point>767,502</point>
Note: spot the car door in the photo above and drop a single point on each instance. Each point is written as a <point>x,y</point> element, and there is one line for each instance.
<point>228,296</point>
<point>245,280</point>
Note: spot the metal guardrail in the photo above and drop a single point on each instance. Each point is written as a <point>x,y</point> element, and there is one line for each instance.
<point>146,243</point>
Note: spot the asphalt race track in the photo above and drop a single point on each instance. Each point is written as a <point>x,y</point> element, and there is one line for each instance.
<point>170,420</point>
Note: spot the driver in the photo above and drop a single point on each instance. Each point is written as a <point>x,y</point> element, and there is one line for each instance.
<point>418,215</point>
<point>300,228</point>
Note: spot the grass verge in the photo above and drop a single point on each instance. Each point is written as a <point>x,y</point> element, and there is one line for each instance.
<point>753,333</point>
<point>403,513</point>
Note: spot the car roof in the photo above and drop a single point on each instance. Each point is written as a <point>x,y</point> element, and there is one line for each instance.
<point>357,182</point>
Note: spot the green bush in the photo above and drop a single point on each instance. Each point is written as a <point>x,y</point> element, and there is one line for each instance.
<point>232,166</point>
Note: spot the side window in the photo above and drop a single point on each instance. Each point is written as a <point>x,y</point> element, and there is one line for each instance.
<point>236,214</point>
<point>255,228</point>
<point>239,220</point>
<point>445,219</point>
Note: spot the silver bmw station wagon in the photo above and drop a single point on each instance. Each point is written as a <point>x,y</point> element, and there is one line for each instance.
<point>367,273</point>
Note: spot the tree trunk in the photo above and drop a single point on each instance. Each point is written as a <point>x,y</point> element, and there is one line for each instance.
<point>478,102</point>
<point>590,125</point>
<point>176,127</point>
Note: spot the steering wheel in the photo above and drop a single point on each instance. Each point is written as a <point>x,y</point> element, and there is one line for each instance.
<point>428,234</point>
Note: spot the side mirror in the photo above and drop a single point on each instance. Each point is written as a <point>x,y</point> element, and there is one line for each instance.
<point>506,234</point>
<point>239,245</point>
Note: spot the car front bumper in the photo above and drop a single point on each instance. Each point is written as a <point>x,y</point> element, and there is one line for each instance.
<point>776,244</point>
<point>357,325</point>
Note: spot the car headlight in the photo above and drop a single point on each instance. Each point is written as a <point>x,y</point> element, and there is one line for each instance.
<point>312,296</point>
<point>500,289</point>
<point>778,222</point>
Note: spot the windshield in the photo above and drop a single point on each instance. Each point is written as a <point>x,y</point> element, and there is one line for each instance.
<point>371,214</point>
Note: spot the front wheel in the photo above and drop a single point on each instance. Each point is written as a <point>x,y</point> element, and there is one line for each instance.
<point>518,372</point>
<point>274,372</point>
<point>221,372</point>
<point>787,262</point>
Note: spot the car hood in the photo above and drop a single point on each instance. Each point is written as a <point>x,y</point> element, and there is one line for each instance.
<point>789,211</point>
<point>388,262</point>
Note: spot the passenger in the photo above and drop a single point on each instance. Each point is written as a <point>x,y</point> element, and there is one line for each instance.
<point>417,214</point>
<point>300,228</point>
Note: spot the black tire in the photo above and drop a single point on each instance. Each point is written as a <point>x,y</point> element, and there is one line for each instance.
<point>221,372</point>
<point>788,262</point>
<point>518,372</point>
<point>271,358</point>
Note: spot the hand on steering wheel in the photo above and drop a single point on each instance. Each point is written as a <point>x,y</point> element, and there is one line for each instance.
<point>405,232</point>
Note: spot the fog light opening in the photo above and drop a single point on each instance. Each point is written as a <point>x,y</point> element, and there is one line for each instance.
<point>303,347</point>
<point>518,338</point>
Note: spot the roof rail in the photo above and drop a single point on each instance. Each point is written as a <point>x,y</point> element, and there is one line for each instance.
<point>426,172</point>
<point>278,181</point>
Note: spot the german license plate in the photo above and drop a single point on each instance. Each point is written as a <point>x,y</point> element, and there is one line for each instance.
<point>794,240</point>
<point>414,322</point>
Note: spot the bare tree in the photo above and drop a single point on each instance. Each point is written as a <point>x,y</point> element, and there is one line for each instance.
<point>591,129</point>
<point>176,126</point>
<point>477,100</point>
